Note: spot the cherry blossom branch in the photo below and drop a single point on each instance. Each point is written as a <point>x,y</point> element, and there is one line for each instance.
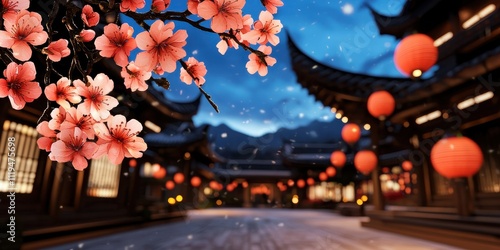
<point>207,96</point>
<point>50,32</point>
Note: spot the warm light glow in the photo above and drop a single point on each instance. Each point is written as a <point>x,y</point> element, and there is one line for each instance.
<point>152,126</point>
<point>295,199</point>
<point>338,115</point>
<point>207,191</point>
<point>442,39</point>
<point>359,202</point>
<point>218,202</point>
<point>367,127</point>
<point>476,100</point>
<point>171,201</point>
<point>364,198</point>
<point>434,115</point>
<point>178,198</point>
<point>465,104</point>
<point>290,183</point>
<point>416,73</point>
<point>431,116</point>
<point>333,110</point>
<point>480,15</point>
<point>483,97</point>
<point>187,156</point>
<point>345,119</point>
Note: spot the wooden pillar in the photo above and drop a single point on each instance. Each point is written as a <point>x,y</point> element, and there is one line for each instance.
<point>464,206</point>
<point>376,134</point>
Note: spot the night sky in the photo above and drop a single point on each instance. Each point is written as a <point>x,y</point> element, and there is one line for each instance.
<point>341,34</point>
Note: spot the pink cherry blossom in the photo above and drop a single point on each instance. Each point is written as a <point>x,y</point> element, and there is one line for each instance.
<point>271,5</point>
<point>57,50</point>
<point>192,6</point>
<point>75,119</point>
<point>135,78</point>
<point>256,65</point>
<point>119,139</point>
<point>116,43</point>
<point>161,46</point>
<point>197,70</point>
<point>61,92</point>
<point>12,7</point>
<point>97,103</point>
<point>86,35</point>
<point>73,146</point>
<point>48,136</point>
<point>58,116</point>
<point>227,42</point>
<point>20,31</point>
<point>19,85</point>
<point>131,5</point>
<point>225,14</point>
<point>160,5</point>
<point>89,16</point>
<point>265,29</point>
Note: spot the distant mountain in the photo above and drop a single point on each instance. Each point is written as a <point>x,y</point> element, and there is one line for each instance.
<point>235,145</point>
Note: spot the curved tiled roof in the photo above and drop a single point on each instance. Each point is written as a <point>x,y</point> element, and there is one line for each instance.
<point>332,86</point>
<point>172,138</point>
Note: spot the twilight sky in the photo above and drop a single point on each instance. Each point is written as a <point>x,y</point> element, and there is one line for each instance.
<point>341,34</point>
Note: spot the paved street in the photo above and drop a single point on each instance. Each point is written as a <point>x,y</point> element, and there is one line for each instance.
<point>254,229</point>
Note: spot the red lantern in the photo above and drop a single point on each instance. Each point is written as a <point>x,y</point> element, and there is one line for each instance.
<point>195,181</point>
<point>159,173</point>
<point>310,181</point>
<point>415,54</point>
<point>381,104</point>
<point>323,176</point>
<point>330,171</point>
<point>365,161</point>
<point>407,165</point>
<point>179,178</point>
<point>244,184</point>
<point>351,133</point>
<point>456,157</point>
<point>301,183</point>
<point>338,158</point>
<point>132,163</point>
<point>213,185</point>
<point>290,183</point>
<point>230,187</point>
<point>169,185</point>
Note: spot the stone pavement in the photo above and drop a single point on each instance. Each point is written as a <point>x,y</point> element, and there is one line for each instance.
<point>257,229</point>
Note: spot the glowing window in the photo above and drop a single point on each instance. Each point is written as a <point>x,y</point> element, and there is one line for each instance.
<point>104,178</point>
<point>17,173</point>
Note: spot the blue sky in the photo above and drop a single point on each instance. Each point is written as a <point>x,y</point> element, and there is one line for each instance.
<point>341,34</point>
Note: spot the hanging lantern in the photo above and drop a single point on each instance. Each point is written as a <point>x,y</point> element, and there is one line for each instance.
<point>230,187</point>
<point>407,165</point>
<point>330,171</point>
<point>338,158</point>
<point>456,157</point>
<point>323,176</point>
<point>195,181</point>
<point>290,182</point>
<point>351,133</point>
<point>160,173</point>
<point>381,104</point>
<point>213,185</point>
<point>244,184</point>
<point>310,181</point>
<point>365,161</point>
<point>169,185</point>
<point>415,54</point>
<point>301,183</point>
<point>179,178</point>
<point>132,163</point>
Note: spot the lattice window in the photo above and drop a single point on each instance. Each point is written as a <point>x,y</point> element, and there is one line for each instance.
<point>26,152</point>
<point>104,178</point>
